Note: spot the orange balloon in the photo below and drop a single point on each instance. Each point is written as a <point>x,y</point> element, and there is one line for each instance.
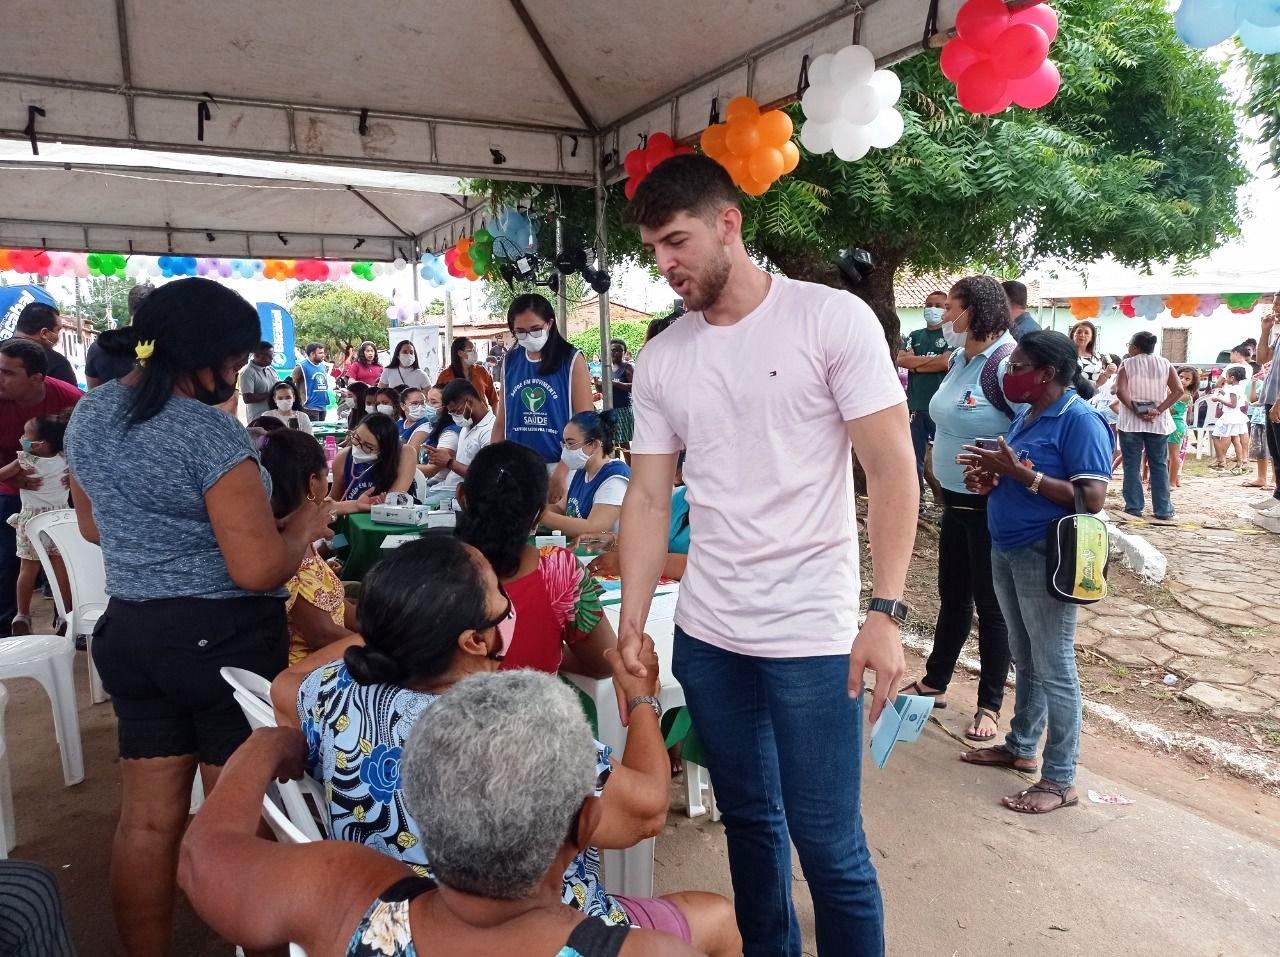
<point>743,137</point>
<point>713,141</point>
<point>754,187</point>
<point>736,167</point>
<point>790,157</point>
<point>742,107</point>
<point>766,164</point>
<point>464,244</point>
<point>775,128</point>
<point>4,259</point>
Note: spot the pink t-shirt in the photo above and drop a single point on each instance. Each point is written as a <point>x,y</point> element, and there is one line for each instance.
<point>761,407</point>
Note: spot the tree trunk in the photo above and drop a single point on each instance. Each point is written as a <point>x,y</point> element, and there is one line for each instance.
<point>876,290</point>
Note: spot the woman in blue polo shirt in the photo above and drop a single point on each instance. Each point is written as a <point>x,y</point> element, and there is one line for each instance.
<point>963,411</point>
<point>544,384</point>
<point>597,482</point>
<point>1056,448</point>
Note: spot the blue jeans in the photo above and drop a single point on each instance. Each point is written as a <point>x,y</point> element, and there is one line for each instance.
<point>9,562</point>
<point>783,742</point>
<point>922,431</point>
<point>1132,445</point>
<point>1042,633</point>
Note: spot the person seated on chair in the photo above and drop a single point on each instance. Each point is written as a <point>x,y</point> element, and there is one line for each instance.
<point>375,463</point>
<point>436,430</point>
<point>286,405</point>
<point>499,851</point>
<point>678,540</point>
<point>472,415</point>
<point>431,614</point>
<point>597,482</point>
<point>319,613</point>
<point>560,624</point>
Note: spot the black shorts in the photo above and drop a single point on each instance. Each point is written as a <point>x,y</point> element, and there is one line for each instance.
<point>159,661</point>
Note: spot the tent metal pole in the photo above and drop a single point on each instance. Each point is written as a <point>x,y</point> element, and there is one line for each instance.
<point>448,324</point>
<point>413,267</point>
<point>562,293</point>
<point>602,253</point>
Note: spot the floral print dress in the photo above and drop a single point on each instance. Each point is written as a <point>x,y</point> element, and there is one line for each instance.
<point>320,585</point>
<point>355,741</point>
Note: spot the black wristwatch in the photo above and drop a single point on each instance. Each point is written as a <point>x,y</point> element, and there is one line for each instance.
<point>897,610</point>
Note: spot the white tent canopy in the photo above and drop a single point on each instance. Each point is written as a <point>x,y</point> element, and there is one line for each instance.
<point>1110,279</point>
<point>516,89</point>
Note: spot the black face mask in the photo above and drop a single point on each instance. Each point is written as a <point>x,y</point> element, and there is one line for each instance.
<point>219,394</point>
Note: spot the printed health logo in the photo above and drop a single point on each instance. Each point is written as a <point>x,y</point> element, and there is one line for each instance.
<point>533,398</point>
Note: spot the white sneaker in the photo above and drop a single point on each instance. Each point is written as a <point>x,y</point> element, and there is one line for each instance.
<point>1265,503</point>
<point>1272,512</point>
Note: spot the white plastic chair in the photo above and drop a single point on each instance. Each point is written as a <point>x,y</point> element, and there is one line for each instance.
<point>85,574</point>
<point>8,832</point>
<point>304,802</point>
<point>49,660</point>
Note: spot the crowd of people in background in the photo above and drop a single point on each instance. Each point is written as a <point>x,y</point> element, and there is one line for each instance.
<point>467,799</point>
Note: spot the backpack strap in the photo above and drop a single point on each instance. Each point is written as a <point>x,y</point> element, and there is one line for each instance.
<point>594,938</point>
<point>990,379</point>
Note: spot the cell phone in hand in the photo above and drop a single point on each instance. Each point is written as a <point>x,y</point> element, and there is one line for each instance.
<point>988,445</point>
<point>1142,406</point>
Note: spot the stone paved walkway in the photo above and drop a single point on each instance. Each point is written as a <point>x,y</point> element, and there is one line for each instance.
<point>1214,622</point>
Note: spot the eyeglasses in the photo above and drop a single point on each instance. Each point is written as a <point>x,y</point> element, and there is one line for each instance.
<point>573,445</point>
<point>364,446</point>
<point>1021,366</point>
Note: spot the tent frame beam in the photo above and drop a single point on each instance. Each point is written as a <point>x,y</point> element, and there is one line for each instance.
<point>407,234</point>
<point>549,58</point>
<point>126,65</point>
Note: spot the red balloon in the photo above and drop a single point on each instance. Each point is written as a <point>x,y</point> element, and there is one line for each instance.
<point>683,151</point>
<point>661,145</point>
<point>1039,88</point>
<point>1042,15</point>
<point>1126,307</point>
<point>982,21</point>
<point>636,163</point>
<point>957,56</point>
<point>982,90</point>
<point>630,188</point>
<point>1020,50</point>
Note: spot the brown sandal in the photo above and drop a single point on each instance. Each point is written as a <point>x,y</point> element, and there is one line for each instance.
<point>977,725</point>
<point>999,757</point>
<point>1041,787</point>
<point>920,691</point>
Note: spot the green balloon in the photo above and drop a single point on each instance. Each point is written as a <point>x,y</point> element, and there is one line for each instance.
<point>483,237</point>
<point>1241,300</point>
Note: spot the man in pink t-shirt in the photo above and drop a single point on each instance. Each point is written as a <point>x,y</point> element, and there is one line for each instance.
<point>766,382</point>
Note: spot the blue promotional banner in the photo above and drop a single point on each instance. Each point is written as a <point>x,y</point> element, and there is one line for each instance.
<point>13,299</point>
<point>277,329</point>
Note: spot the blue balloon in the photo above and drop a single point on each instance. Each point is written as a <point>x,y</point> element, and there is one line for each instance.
<point>1260,13</point>
<point>1206,23</point>
<point>1260,39</point>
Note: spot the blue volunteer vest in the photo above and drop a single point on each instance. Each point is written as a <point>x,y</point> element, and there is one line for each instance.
<point>582,493</point>
<point>317,379</point>
<point>358,477</point>
<point>537,406</point>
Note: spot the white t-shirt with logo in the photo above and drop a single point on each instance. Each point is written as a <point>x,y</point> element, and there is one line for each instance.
<point>761,408</point>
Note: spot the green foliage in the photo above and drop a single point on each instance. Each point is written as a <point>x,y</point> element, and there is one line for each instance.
<point>104,292</point>
<point>588,340</point>
<point>338,315</point>
<point>498,295</point>
<point>1263,101</point>
<point>434,308</point>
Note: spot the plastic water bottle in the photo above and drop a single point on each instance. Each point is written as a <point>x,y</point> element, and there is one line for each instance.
<point>330,450</point>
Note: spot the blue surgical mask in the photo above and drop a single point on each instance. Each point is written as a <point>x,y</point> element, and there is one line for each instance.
<point>933,315</point>
<point>26,445</point>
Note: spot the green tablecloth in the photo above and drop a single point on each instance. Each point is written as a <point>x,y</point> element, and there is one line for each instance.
<point>364,542</point>
<point>322,429</point>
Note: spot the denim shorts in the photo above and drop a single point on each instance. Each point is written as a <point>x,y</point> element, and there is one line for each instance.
<point>159,661</point>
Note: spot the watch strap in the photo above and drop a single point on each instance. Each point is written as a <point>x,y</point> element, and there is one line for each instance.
<point>895,609</point>
<point>645,699</point>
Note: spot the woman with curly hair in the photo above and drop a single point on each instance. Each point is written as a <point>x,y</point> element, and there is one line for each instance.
<point>968,407</point>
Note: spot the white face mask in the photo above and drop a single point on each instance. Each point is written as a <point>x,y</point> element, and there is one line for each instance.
<point>415,411</point>
<point>533,341</point>
<point>284,405</point>
<point>933,315</point>
<point>407,358</point>
<point>575,459</point>
<point>462,421</point>
<point>955,340</point>
<point>360,455</point>
<point>469,357</point>
<point>370,408</point>
<point>386,409</point>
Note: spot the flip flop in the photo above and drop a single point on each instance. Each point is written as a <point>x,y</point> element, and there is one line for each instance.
<point>977,723</point>
<point>922,692</point>
<point>1042,787</point>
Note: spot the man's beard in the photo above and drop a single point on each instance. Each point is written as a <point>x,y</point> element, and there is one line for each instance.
<point>707,288</point>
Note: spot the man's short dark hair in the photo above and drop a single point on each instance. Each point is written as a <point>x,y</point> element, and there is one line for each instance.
<point>137,294</point>
<point>37,317</point>
<point>1016,292</point>
<point>1144,342</point>
<point>936,292</point>
<point>30,354</point>
<point>457,389</point>
<point>617,342</point>
<point>264,346</point>
<point>692,184</point>
<point>313,346</point>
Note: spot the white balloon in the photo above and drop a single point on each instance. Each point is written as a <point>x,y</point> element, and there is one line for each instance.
<point>850,142</point>
<point>399,264</point>
<point>888,85</point>
<point>392,313</point>
<point>852,66</point>
<point>860,105</point>
<point>816,137</point>
<point>821,103</point>
<point>886,129</point>
<point>820,70</point>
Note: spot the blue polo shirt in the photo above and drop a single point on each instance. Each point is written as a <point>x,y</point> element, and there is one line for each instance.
<point>1069,441</point>
<point>961,413</point>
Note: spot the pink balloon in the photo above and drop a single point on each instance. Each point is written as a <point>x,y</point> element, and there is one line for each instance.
<point>982,90</point>
<point>957,56</point>
<point>82,269</point>
<point>339,269</point>
<point>982,21</point>
<point>1020,50</point>
<point>1042,15</point>
<point>1039,88</point>
<point>224,268</point>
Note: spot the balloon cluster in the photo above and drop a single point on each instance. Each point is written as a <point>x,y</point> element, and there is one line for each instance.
<point>641,162</point>
<point>754,147</point>
<point>1142,307</point>
<point>434,270</point>
<point>81,265</point>
<point>1206,23</point>
<point>1209,304</point>
<point>1183,304</point>
<point>363,270</point>
<point>849,105</point>
<point>468,258</point>
<point>1085,307</point>
<point>1241,302</point>
<point>1001,58</point>
<point>513,233</point>
<point>402,312</point>
<point>105,264</point>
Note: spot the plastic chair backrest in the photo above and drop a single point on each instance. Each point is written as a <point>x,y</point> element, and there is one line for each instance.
<point>83,560</point>
<point>283,828</point>
<point>420,487</point>
<point>37,527</point>
<point>253,694</point>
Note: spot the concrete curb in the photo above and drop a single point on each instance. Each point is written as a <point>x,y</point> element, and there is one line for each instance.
<point>1219,754</point>
<point>1145,560</point>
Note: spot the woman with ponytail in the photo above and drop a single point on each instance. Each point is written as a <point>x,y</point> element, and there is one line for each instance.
<point>560,624</point>
<point>171,487</point>
<point>1056,458</point>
